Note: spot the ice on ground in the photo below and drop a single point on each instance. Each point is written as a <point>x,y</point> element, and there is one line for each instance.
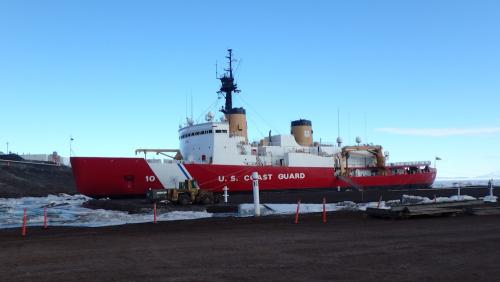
<point>284,209</point>
<point>490,199</point>
<point>66,210</point>
<point>409,199</point>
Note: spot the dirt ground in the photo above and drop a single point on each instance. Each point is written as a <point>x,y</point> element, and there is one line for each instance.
<point>24,180</point>
<point>349,247</point>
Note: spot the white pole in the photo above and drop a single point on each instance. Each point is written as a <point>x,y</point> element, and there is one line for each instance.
<point>491,188</point>
<point>226,195</point>
<point>256,197</point>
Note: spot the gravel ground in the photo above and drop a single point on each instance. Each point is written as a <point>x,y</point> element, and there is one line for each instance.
<point>349,247</point>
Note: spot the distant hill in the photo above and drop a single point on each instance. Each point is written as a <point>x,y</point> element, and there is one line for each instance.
<point>494,175</point>
<point>11,157</point>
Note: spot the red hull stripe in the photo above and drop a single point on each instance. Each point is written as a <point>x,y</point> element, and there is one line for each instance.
<point>112,177</point>
<point>183,171</point>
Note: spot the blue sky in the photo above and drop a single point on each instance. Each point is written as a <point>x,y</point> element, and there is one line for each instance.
<point>419,77</point>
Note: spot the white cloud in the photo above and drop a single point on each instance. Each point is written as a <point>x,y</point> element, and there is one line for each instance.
<point>440,132</point>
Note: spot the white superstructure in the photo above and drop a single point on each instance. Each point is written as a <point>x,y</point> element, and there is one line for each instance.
<point>225,141</point>
<point>211,143</point>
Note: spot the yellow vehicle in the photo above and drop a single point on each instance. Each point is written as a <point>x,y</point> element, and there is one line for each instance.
<point>187,193</point>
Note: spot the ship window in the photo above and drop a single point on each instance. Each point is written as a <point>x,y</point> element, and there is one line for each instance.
<point>210,131</point>
<point>218,131</point>
<point>224,131</point>
<point>197,133</point>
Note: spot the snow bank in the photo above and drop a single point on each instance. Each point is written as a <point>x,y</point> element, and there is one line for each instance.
<point>490,199</point>
<point>416,200</point>
<point>284,209</point>
<point>66,210</point>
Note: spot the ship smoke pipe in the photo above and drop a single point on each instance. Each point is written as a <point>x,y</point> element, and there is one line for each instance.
<point>302,131</point>
<point>256,196</point>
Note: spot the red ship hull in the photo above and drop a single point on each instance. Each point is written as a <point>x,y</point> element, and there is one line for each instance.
<point>133,177</point>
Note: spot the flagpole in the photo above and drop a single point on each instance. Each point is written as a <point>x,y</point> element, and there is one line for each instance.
<point>435,161</point>
<point>70,145</point>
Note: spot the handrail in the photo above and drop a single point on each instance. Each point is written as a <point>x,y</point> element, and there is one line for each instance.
<point>422,163</point>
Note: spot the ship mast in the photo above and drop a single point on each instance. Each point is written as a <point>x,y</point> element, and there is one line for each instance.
<point>227,85</point>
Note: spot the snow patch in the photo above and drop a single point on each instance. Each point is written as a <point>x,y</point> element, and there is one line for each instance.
<point>66,210</point>
<point>490,199</point>
<point>416,200</point>
<point>246,210</point>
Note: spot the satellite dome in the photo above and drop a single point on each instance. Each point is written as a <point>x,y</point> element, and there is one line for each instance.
<point>209,117</point>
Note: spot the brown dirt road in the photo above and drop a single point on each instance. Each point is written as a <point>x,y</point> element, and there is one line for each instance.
<point>349,247</point>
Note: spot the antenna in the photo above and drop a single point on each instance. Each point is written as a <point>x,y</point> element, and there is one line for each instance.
<point>349,127</point>
<point>216,70</point>
<point>227,84</point>
<point>191,104</point>
<point>339,139</point>
<point>366,132</point>
<point>338,122</point>
<point>238,66</point>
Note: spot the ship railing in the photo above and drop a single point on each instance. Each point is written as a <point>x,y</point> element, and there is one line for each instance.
<point>423,163</point>
<point>165,161</point>
<point>327,145</point>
